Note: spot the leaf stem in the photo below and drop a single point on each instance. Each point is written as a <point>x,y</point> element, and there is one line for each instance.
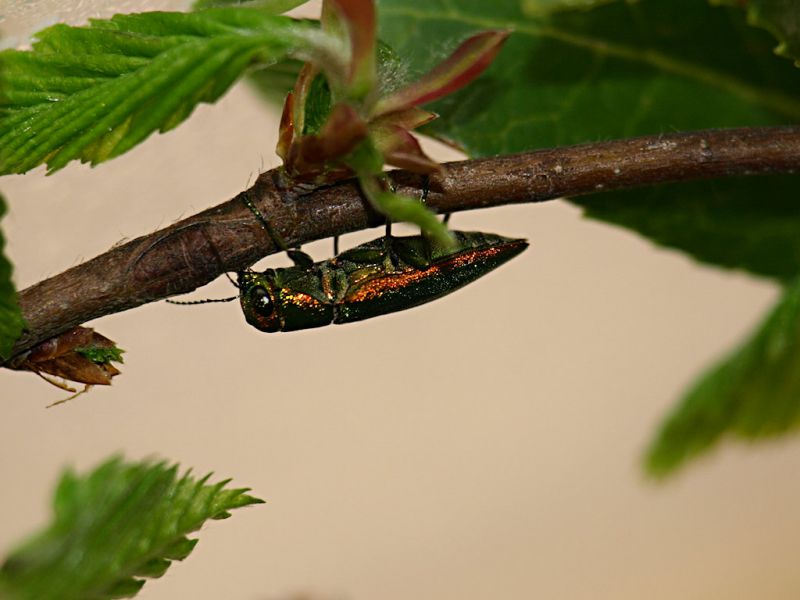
<point>196,250</point>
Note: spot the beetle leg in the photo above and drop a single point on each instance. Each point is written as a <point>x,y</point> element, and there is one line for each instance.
<point>53,381</point>
<point>85,389</point>
<point>426,186</point>
<point>297,256</point>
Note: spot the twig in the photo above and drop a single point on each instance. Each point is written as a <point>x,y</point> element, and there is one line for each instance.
<point>194,251</point>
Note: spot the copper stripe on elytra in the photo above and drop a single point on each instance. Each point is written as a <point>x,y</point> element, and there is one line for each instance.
<point>301,300</point>
<point>376,288</point>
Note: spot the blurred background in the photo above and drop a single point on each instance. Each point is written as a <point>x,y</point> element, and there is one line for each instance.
<point>485,445</point>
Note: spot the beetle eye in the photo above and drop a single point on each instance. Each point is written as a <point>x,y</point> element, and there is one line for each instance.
<point>261,301</point>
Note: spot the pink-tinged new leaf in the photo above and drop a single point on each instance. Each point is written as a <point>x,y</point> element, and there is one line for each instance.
<point>401,149</point>
<point>329,18</point>
<point>409,119</point>
<point>286,129</point>
<point>294,116</point>
<point>359,18</point>
<point>468,61</point>
<point>342,132</point>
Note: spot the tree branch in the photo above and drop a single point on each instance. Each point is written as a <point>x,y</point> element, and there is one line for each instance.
<point>194,251</point>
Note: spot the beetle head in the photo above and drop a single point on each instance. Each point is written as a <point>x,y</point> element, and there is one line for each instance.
<point>258,297</point>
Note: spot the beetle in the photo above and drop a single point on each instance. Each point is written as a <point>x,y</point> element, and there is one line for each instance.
<point>385,275</point>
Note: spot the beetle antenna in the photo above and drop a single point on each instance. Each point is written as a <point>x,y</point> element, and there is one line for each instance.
<point>207,301</point>
<point>233,283</point>
<point>215,252</point>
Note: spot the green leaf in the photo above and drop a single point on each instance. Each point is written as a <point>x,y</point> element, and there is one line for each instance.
<point>11,322</point>
<point>618,70</point>
<point>102,354</point>
<point>780,17</point>
<point>752,394</point>
<point>318,106</point>
<point>714,222</point>
<point>272,7</point>
<point>95,92</point>
<point>111,528</point>
<point>533,7</point>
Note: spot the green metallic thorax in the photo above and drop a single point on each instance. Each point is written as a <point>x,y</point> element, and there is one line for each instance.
<point>382,276</point>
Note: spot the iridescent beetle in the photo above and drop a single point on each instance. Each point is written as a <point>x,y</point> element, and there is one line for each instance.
<point>369,280</point>
<point>385,275</point>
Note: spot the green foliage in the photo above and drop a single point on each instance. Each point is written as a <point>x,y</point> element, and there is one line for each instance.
<point>619,70</point>
<point>101,354</point>
<point>273,7</point>
<point>95,92</point>
<point>536,7</point>
<point>318,106</point>
<point>113,527</point>
<point>573,74</point>
<point>11,322</point>
<point>781,18</point>
<point>751,394</point>
<point>715,223</point>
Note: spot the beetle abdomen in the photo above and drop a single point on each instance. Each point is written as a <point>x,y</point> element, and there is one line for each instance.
<point>411,286</point>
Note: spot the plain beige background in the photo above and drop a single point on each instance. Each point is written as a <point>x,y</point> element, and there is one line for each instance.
<point>482,446</point>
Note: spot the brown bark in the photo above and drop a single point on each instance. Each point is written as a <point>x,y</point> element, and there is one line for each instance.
<point>194,251</point>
